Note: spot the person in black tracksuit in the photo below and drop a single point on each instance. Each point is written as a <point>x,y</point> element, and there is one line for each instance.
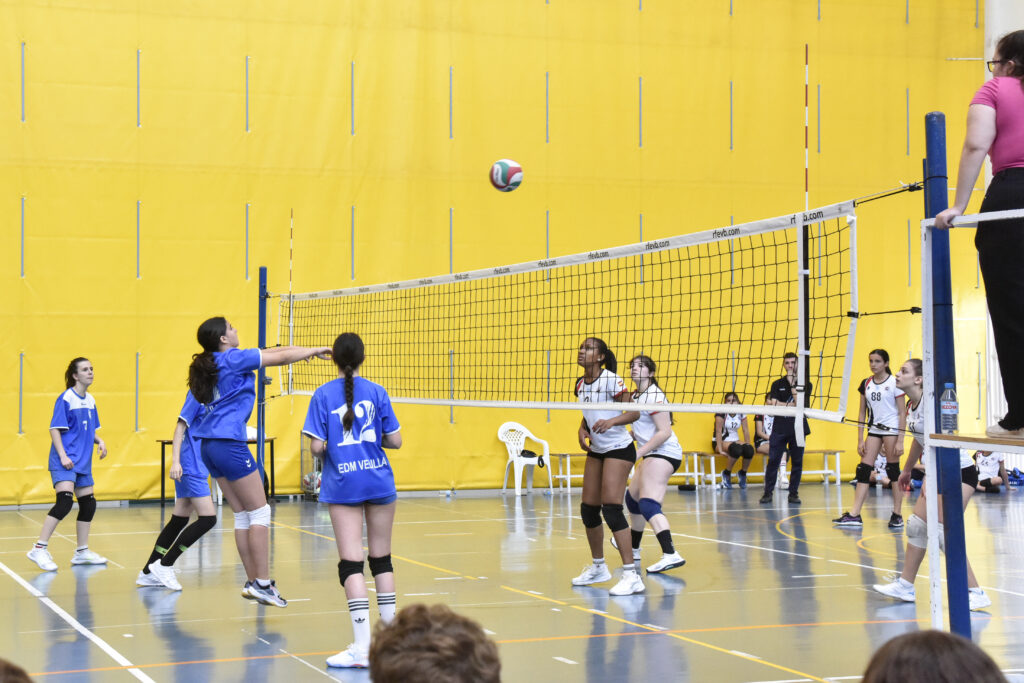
<point>783,437</point>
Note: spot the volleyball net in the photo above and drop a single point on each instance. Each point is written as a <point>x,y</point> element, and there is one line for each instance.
<point>715,309</point>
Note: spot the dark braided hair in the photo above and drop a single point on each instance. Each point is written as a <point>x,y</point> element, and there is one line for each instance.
<point>69,374</point>
<point>348,355</point>
<point>202,373</point>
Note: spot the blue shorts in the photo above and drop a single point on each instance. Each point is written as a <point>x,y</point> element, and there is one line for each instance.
<point>81,480</point>
<point>228,458</point>
<point>191,486</point>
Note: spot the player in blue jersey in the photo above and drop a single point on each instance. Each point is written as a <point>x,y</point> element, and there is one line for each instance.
<point>73,432</point>
<point>191,492</point>
<point>223,377</point>
<point>351,422</point>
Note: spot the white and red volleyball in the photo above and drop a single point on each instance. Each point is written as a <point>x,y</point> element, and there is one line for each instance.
<point>506,175</point>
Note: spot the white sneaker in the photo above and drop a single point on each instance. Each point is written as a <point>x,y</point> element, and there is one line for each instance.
<point>87,557</point>
<point>351,657</point>
<point>782,483</point>
<point>269,595</point>
<point>997,431</point>
<point>897,590</point>
<point>144,579</point>
<point>165,575</point>
<point>629,584</point>
<point>592,573</point>
<point>978,599</point>
<point>43,558</point>
<point>667,561</point>
<point>247,591</point>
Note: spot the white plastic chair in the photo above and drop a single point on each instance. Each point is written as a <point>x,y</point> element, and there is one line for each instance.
<point>514,436</point>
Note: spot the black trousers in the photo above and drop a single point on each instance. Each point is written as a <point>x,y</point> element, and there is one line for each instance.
<point>1001,256</point>
<point>782,440</point>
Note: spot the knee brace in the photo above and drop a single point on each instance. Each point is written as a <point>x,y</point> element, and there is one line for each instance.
<point>260,516</point>
<point>747,451</point>
<point>613,517</point>
<point>86,508</point>
<point>632,505</point>
<point>241,520</point>
<point>205,523</point>
<point>892,470</point>
<point>735,450</point>
<point>347,568</point>
<point>60,509</point>
<point>864,473</point>
<point>649,508</point>
<point>917,532</point>
<point>380,565</point>
<point>591,515</point>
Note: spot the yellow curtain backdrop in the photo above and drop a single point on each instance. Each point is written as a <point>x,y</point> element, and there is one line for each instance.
<point>149,128</point>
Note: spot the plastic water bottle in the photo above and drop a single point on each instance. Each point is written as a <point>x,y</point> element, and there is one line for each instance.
<point>949,411</point>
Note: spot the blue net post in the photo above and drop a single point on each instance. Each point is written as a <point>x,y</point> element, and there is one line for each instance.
<point>261,378</point>
<point>936,199</point>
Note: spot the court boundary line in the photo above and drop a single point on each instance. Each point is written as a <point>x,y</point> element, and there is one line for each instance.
<point>125,663</point>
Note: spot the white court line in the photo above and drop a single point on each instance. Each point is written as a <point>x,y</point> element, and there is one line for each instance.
<point>816,576</point>
<point>741,653</point>
<point>563,660</point>
<point>102,644</point>
<point>785,552</point>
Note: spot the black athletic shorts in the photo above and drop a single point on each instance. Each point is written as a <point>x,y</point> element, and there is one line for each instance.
<point>675,463</point>
<point>969,476</point>
<point>758,441</point>
<point>627,453</point>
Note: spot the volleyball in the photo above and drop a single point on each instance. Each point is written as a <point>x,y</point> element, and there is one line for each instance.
<point>506,175</point>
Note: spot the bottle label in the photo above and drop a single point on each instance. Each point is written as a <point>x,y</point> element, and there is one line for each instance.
<point>949,407</point>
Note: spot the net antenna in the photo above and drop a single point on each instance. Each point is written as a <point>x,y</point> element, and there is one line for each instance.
<point>715,309</point>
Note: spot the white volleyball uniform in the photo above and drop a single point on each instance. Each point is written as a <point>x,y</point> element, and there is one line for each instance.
<point>605,389</point>
<point>988,465</point>
<point>644,428</point>
<point>882,404</point>
<point>730,427</point>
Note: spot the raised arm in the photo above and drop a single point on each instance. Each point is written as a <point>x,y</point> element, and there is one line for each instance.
<point>286,355</point>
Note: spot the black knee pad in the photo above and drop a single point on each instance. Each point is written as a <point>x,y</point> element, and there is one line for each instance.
<point>347,568</point>
<point>747,451</point>
<point>591,515</point>
<point>613,517</point>
<point>892,470</point>
<point>735,450</point>
<point>86,508</point>
<point>60,509</point>
<point>864,473</point>
<point>632,505</point>
<point>380,565</point>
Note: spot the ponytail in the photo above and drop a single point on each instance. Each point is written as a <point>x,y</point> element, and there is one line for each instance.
<point>348,355</point>
<point>202,373</point>
<point>346,421</point>
<point>609,361</point>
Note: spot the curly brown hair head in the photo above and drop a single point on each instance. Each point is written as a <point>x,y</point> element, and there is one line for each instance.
<point>931,657</point>
<point>432,644</point>
<point>12,673</point>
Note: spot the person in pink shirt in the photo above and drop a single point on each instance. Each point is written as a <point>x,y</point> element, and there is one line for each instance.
<point>995,126</point>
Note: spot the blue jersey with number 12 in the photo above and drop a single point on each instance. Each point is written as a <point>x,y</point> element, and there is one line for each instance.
<point>355,467</point>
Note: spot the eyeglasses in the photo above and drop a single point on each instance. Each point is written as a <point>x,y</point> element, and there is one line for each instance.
<point>992,65</point>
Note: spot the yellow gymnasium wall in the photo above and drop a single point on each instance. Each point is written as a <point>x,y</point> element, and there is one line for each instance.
<point>150,165</point>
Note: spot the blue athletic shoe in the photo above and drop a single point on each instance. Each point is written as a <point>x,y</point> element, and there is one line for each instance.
<point>726,476</point>
<point>741,479</point>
